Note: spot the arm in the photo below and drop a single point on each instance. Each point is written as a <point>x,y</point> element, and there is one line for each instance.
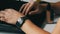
<point>11,16</point>
<point>29,28</point>
<point>48,17</point>
<point>57,28</point>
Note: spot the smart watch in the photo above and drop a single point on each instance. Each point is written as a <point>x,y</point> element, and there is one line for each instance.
<point>21,21</point>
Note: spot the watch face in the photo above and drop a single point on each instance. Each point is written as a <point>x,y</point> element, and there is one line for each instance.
<point>20,20</point>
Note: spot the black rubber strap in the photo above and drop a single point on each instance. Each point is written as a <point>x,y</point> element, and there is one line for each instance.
<point>23,19</point>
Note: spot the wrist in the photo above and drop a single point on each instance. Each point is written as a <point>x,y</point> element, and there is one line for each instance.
<point>21,21</point>
<point>25,23</point>
<point>19,15</point>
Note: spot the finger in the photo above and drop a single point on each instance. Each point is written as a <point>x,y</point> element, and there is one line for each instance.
<point>36,11</point>
<point>29,8</point>
<point>2,19</point>
<point>27,5</point>
<point>22,8</point>
<point>8,10</point>
<point>2,12</point>
<point>32,12</point>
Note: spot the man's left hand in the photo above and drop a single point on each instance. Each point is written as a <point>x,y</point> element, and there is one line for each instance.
<point>10,16</point>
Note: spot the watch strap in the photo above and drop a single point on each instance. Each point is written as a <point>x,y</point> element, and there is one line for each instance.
<point>18,24</point>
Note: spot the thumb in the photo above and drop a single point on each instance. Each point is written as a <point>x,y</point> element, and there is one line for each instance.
<point>32,13</point>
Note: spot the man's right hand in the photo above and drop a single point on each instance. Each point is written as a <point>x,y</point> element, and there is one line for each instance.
<point>28,6</point>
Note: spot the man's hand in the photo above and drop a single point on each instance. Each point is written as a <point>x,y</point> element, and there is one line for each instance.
<point>10,16</point>
<point>27,8</point>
